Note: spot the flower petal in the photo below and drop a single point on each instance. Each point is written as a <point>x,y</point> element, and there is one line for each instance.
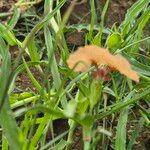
<point>94,55</point>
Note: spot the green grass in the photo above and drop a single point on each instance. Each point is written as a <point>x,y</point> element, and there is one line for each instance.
<point>102,110</point>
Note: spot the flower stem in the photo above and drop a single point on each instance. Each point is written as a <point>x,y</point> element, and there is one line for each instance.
<point>70,135</point>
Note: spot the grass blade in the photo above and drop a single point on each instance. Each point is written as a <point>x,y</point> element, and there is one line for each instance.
<point>135,134</point>
<point>120,142</point>
<point>131,14</point>
<point>7,121</point>
<point>121,105</point>
<point>41,24</point>
<point>14,18</point>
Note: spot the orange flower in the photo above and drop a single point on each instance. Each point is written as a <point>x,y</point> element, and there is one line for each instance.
<point>86,56</point>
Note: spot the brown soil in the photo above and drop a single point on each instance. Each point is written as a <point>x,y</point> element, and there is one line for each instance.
<point>23,82</point>
<point>117,10</point>
<point>81,14</point>
<point>5,5</point>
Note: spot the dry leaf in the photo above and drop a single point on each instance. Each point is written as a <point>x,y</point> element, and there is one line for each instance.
<point>86,56</point>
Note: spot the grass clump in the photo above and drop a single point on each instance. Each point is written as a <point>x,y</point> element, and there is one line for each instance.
<point>101,109</point>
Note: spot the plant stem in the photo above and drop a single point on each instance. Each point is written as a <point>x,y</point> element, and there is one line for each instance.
<point>70,134</point>
<point>86,138</point>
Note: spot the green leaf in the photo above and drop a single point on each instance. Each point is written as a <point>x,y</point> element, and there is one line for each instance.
<point>7,122</point>
<point>139,67</point>
<point>95,92</point>
<point>33,51</point>
<point>98,38</point>
<point>114,40</point>
<point>120,142</point>
<point>86,121</point>
<point>4,143</point>
<point>120,105</point>
<point>70,109</point>
<point>61,145</point>
<point>131,14</point>
<point>7,35</point>
<point>45,147</point>
<point>41,24</point>
<point>82,106</point>
<point>14,18</point>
